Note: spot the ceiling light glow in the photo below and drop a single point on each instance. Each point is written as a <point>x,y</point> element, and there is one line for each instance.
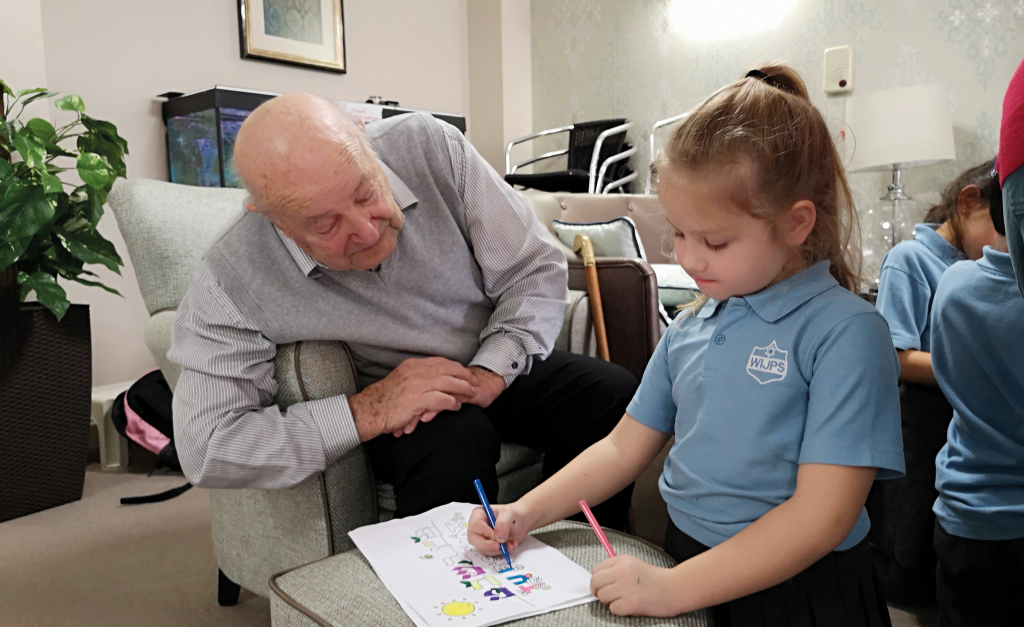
<point>713,20</point>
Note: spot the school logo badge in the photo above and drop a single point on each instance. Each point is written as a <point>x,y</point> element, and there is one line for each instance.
<point>768,363</point>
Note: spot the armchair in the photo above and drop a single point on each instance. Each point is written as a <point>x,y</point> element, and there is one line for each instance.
<point>256,533</point>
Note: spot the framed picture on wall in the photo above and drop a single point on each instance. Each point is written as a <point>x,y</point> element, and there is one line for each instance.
<point>309,33</point>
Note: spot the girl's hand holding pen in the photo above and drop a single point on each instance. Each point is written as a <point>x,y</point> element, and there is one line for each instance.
<point>510,527</point>
<point>632,587</point>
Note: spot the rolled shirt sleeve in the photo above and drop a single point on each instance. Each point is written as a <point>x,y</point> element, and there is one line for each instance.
<point>228,431</point>
<point>524,274</point>
<point>904,301</point>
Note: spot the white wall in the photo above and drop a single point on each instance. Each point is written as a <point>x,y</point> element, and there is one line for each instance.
<point>118,54</point>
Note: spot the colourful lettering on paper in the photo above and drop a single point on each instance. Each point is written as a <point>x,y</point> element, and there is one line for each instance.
<point>496,594</point>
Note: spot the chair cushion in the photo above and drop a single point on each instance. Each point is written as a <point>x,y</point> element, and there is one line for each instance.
<point>344,590</point>
<point>675,287</point>
<point>167,228</point>
<point>613,238</point>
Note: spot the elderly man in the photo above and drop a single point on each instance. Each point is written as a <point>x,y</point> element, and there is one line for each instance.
<point>402,242</point>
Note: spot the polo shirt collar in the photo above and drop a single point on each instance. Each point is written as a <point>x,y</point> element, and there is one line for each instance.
<point>309,266</point>
<point>775,301</point>
<point>996,261</point>
<point>929,237</point>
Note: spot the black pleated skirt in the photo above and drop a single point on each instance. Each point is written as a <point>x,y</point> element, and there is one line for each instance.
<point>839,590</point>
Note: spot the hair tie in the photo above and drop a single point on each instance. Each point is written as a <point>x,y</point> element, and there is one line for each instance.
<point>768,80</point>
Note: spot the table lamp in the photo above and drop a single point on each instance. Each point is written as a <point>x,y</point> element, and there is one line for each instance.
<point>895,129</point>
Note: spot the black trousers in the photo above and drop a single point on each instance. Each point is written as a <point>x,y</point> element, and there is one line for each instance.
<point>901,509</point>
<point>564,405</point>
<point>839,590</point>
<point>979,581</point>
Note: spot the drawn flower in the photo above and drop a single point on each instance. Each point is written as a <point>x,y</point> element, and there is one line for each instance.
<point>958,18</point>
<point>1018,8</point>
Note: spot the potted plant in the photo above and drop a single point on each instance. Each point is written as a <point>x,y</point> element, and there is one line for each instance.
<point>48,231</point>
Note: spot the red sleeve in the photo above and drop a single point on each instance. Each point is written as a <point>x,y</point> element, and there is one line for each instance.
<point>1011,131</point>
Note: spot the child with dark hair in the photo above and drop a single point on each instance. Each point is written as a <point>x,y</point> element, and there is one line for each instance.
<point>955,229</point>
<point>977,343</point>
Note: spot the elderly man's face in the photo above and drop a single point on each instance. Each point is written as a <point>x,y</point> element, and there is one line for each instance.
<point>350,221</point>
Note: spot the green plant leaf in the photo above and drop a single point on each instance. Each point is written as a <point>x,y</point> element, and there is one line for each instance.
<point>107,130</point>
<point>109,150</point>
<point>56,151</point>
<point>26,210</point>
<point>47,291</point>
<point>11,250</point>
<point>31,150</point>
<point>6,89</point>
<point>94,171</point>
<point>95,284</point>
<point>96,199</point>
<point>71,102</point>
<point>34,90</point>
<point>85,243</point>
<point>33,98</point>
<point>51,184</point>
<point>39,127</point>
<point>5,170</point>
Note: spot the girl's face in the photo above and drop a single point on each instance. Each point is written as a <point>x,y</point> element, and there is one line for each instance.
<point>728,252</point>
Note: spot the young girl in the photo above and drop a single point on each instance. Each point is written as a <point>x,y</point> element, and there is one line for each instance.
<point>780,389</point>
<point>978,339</point>
<point>955,229</point>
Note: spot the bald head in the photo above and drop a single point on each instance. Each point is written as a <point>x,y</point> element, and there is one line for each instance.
<point>296,141</point>
<point>312,173</point>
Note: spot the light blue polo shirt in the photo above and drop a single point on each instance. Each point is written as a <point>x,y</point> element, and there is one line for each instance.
<point>978,358</point>
<point>800,372</point>
<point>906,284</point>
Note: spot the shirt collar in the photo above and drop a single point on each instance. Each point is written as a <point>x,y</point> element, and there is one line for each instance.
<point>996,261</point>
<point>927,235</point>
<point>309,266</point>
<point>775,301</point>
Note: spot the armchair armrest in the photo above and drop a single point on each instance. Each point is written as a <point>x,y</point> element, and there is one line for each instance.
<point>629,294</point>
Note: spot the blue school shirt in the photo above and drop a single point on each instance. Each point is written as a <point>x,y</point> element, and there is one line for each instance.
<point>978,358</point>
<point>800,372</point>
<point>906,284</point>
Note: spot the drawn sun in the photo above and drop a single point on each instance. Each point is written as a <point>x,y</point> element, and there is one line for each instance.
<point>456,608</point>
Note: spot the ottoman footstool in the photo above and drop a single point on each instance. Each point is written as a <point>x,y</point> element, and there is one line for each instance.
<point>343,589</point>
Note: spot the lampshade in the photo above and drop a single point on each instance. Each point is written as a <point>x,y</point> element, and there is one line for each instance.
<point>900,128</point>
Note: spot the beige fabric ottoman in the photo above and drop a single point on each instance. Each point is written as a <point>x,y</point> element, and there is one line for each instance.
<point>343,590</point>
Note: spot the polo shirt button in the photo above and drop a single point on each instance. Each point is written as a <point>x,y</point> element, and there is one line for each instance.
<point>515,364</point>
<point>720,340</point>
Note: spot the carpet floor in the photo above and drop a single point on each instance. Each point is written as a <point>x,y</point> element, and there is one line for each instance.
<point>95,563</point>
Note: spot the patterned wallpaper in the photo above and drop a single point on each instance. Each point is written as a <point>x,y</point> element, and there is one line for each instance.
<point>596,59</point>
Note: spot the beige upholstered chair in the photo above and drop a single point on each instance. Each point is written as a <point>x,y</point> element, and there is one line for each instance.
<point>257,533</point>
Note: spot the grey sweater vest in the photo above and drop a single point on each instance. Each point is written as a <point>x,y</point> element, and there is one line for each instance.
<point>427,299</point>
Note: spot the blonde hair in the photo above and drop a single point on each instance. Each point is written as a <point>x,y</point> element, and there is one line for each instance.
<point>767,126</point>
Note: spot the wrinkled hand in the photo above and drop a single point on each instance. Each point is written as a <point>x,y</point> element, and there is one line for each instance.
<point>510,526</point>
<point>632,587</point>
<point>490,386</point>
<point>414,392</point>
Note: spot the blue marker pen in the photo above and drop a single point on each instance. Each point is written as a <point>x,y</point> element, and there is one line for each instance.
<point>490,516</point>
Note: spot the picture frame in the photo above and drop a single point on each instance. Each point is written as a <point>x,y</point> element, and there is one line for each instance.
<point>306,33</point>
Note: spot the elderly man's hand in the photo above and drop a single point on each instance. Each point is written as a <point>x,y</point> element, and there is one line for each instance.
<point>490,386</point>
<point>415,391</point>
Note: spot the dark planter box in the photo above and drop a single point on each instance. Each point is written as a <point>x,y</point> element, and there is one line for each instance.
<point>45,392</point>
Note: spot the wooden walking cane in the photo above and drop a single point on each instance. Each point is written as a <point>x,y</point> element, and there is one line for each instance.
<point>582,246</point>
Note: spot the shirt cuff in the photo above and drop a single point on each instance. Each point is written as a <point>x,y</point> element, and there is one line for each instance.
<point>337,426</point>
<point>504,356</point>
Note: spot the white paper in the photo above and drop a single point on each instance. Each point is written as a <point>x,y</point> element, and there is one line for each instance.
<point>439,579</point>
